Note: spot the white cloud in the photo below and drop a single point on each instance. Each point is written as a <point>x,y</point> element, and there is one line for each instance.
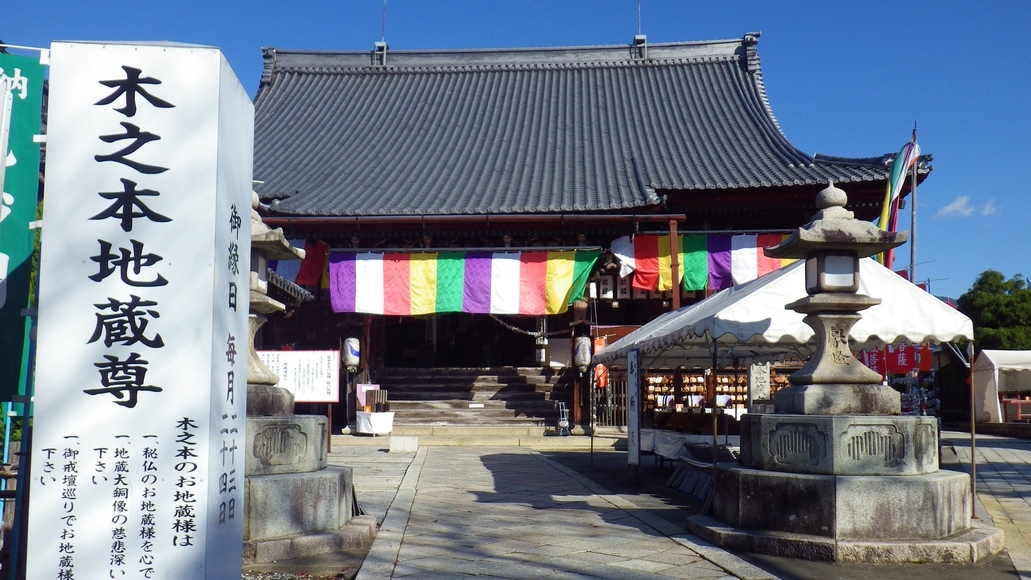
<point>989,208</point>
<point>959,207</point>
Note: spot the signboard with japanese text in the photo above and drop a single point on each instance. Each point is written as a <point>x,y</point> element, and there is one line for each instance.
<point>313,376</point>
<point>141,367</point>
<point>21,85</point>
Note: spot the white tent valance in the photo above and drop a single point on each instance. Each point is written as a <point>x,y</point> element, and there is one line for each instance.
<point>749,323</point>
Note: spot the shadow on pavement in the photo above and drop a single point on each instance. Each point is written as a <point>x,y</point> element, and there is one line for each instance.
<point>610,470</point>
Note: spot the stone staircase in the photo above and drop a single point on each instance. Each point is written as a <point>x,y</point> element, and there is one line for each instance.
<point>512,399</point>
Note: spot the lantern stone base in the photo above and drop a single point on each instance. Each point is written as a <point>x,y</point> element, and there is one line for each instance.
<point>857,488</point>
<point>840,444</point>
<point>838,399</point>
<point>302,514</point>
<point>973,545</point>
<point>295,503</point>
<point>844,507</point>
<point>861,518</point>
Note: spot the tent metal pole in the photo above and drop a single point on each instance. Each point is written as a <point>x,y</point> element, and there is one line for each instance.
<point>973,436</point>
<point>712,405</point>
<point>706,509</point>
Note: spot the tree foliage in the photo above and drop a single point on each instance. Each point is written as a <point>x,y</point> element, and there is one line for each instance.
<point>1000,310</point>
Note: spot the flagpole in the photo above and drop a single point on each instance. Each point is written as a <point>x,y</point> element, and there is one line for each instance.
<point>912,220</point>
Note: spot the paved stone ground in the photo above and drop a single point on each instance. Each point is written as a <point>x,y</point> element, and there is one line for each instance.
<point>511,512</point>
<point>1004,488</point>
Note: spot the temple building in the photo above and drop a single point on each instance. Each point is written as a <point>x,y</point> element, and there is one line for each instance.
<point>474,209</point>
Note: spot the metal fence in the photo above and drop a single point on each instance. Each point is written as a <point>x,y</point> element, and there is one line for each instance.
<point>610,402</point>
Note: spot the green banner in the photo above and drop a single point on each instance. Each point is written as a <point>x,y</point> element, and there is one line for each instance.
<point>22,78</point>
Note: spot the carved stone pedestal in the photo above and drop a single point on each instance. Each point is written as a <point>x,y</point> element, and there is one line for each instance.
<point>840,444</point>
<point>842,477</point>
<point>844,507</point>
<point>295,503</point>
<point>844,488</point>
<point>286,444</point>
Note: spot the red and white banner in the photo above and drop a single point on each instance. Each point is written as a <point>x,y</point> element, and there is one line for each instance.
<point>601,372</point>
<point>898,360</point>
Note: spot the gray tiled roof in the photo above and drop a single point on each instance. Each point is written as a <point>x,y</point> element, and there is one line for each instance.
<point>521,131</point>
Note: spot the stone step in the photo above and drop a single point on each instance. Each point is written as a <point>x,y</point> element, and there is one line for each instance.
<point>428,408</point>
<point>480,420</point>
<point>475,371</point>
<point>357,534</point>
<point>476,421</point>
<point>426,429</point>
<point>456,438</point>
<point>492,395</point>
<point>438,386</point>
<point>461,387</point>
<point>474,404</point>
<point>488,420</point>
<point>480,377</point>
<point>478,380</point>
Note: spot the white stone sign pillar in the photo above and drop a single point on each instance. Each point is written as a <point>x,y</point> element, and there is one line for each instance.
<point>141,372</point>
<point>633,414</point>
<point>758,383</point>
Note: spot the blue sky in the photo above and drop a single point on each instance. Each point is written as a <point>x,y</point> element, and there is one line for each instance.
<point>844,78</point>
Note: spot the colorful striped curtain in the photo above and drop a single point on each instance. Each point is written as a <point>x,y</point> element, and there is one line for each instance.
<point>530,282</point>
<point>736,259</point>
<point>648,258</point>
<point>716,261</point>
<point>411,284</point>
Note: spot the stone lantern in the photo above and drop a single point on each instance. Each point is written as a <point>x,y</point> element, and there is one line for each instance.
<point>295,503</point>
<point>834,382</point>
<point>836,473</point>
<point>264,397</point>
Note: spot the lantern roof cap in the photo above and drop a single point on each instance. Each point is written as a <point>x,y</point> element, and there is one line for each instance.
<point>835,229</point>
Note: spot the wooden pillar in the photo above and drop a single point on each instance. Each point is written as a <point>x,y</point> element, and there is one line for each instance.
<point>576,413</point>
<point>674,261</point>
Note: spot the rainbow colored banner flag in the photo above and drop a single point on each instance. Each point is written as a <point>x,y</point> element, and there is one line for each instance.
<point>900,167</point>
<point>528,283</point>
<point>905,162</point>
<point>739,258</point>
<point>648,259</point>
<point>716,261</point>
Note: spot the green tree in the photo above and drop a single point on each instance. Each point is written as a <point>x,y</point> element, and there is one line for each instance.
<point>1000,310</point>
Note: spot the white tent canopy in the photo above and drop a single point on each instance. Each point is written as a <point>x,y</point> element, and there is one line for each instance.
<point>749,323</point>
<point>998,371</point>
